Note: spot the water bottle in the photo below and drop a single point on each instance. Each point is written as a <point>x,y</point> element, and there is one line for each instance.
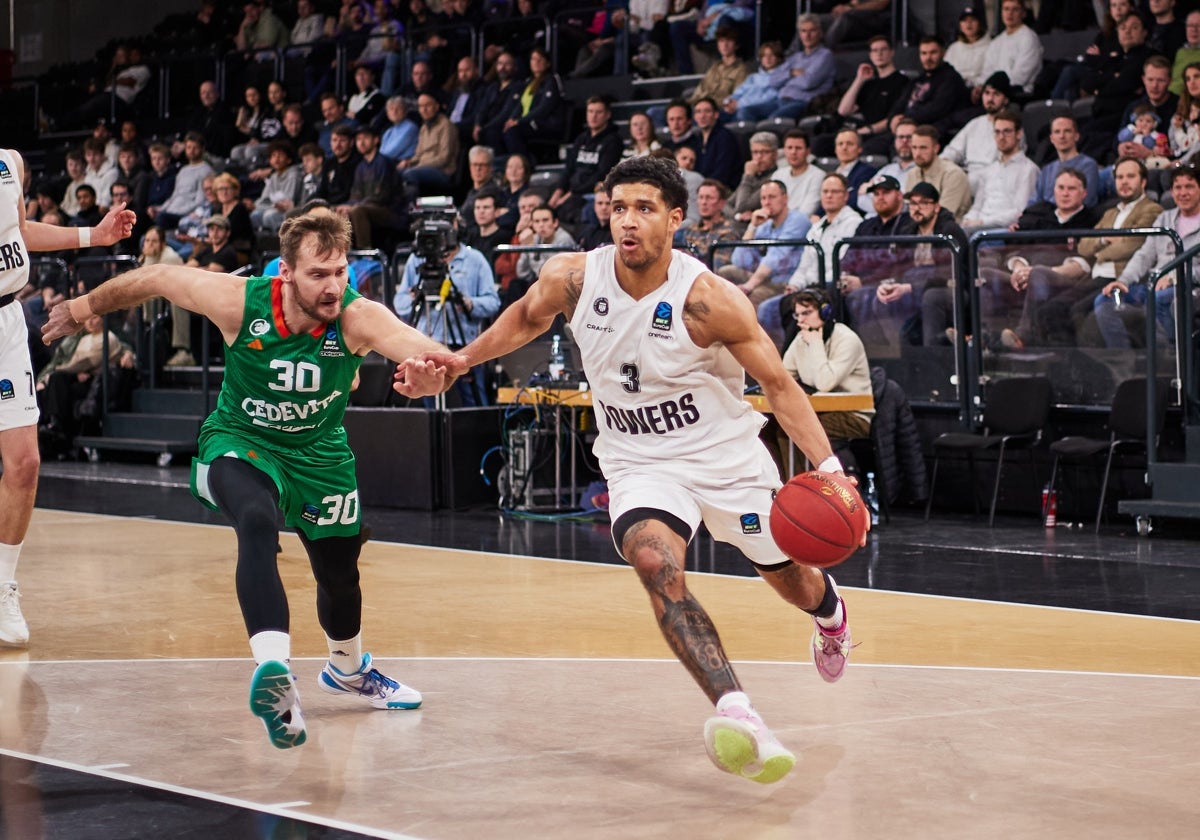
<point>557,361</point>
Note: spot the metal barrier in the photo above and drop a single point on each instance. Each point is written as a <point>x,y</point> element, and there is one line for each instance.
<point>1187,384</point>
<point>773,243</point>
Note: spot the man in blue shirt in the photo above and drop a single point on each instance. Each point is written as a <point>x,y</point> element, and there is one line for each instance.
<point>1064,137</point>
<point>808,72</point>
<point>762,275</point>
<point>452,313</point>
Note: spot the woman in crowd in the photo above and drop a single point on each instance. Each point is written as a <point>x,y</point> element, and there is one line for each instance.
<point>967,52</point>
<point>642,138</point>
<point>517,172</point>
<point>541,106</point>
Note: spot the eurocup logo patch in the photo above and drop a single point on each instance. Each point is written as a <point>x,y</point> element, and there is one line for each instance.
<point>5,172</point>
<point>331,347</point>
<point>259,326</point>
<point>662,316</point>
<point>751,524</point>
<point>600,305</point>
<point>7,391</point>
<point>310,513</point>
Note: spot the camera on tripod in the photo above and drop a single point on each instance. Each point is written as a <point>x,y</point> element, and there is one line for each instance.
<point>434,237</point>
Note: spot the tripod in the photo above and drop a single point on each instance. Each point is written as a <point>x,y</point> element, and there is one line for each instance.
<point>437,315</point>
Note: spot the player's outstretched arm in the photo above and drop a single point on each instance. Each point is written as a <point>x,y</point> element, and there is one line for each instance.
<point>369,325</point>
<point>116,225</point>
<point>717,311</point>
<point>219,297</point>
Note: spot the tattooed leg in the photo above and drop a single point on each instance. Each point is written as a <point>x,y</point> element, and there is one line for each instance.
<point>656,553</point>
<point>800,586</point>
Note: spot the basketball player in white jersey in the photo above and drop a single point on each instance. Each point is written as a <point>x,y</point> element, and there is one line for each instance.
<point>18,403</point>
<point>665,346</point>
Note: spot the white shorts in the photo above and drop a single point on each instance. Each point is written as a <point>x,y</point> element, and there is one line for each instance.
<point>735,509</point>
<point>18,399</point>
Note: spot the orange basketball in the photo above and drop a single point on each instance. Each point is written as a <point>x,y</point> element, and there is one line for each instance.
<point>818,519</point>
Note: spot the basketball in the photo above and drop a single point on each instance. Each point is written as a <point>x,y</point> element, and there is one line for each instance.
<point>818,519</point>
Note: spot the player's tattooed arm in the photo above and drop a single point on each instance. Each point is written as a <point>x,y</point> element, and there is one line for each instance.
<point>573,285</point>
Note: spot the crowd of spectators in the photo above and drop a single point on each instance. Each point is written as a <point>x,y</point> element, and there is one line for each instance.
<point>937,145</point>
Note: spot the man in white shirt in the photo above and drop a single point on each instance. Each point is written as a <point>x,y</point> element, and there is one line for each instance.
<point>803,180</point>
<point>1006,184</point>
<point>1017,50</point>
<point>100,174</point>
<point>974,147</point>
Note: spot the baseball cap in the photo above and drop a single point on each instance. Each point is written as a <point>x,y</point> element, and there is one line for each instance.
<point>218,220</point>
<point>882,182</point>
<point>925,190</point>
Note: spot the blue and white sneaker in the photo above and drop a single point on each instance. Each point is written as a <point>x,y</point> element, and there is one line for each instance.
<point>372,686</point>
<point>275,700</point>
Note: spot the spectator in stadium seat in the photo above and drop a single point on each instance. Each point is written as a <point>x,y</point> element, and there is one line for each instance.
<point>517,172</point>
<point>807,73</point>
<point>597,233</point>
<point>259,29</point>
<point>376,204</point>
<point>1166,32</point>
<point>216,253</point>
<point>523,234</point>
<point>161,182</point>
<point>368,101</point>
<point>1116,71</point>
<point>1188,53</point>
<point>420,80</point>
<point>642,137</point>
<point>312,165</point>
<point>764,154</point>
<point>873,93</point>
<point>1017,51</point>
<point>463,92</point>
<point>334,115</point>
<point>546,231</point>
<point>481,169</point>
<point>801,177</point>
<point>1156,80</point>
<point>432,167</point>
<point>954,191</point>
<point>936,94</point>
<point>399,140</point>
<point>974,146</point>
<point>717,154</point>
<point>681,131</point>
<point>870,264</point>
<point>724,74</point>
<point>188,193</point>
<point>279,190</point>
<point>685,159</point>
<point>486,232</point>
<point>537,112</point>
<point>758,89</point>
<point>714,226</point>
<point>340,167</point>
<point>595,151</point>
<point>1064,137</point>
<point>213,120</point>
<point>495,102</point>
<point>856,20</point>
<point>76,165</point>
<point>847,148</point>
<point>1184,131</point>
<point>1006,183</point>
<point>714,15</point>
<point>1156,251</point>
<point>966,54</point>
<point>759,275</point>
<point>99,172</point>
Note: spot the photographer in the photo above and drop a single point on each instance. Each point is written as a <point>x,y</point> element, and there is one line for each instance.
<point>448,293</point>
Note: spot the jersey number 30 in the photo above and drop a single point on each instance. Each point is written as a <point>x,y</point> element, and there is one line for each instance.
<point>341,510</point>
<point>295,376</point>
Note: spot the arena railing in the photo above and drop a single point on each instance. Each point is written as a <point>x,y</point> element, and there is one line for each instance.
<point>1188,383</point>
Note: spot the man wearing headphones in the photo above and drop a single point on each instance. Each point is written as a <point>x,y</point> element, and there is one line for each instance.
<point>825,356</point>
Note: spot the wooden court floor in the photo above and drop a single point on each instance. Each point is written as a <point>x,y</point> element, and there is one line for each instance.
<point>553,708</point>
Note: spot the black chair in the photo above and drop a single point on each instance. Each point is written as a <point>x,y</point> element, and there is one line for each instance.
<point>1127,428</point>
<point>1014,414</point>
<point>866,459</point>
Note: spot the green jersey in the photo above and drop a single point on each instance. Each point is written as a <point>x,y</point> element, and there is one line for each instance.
<point>282,389</point>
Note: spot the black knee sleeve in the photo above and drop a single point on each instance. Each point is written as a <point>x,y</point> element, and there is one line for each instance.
<point>334,562</point>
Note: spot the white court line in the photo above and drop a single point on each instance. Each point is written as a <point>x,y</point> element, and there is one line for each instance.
<point>537,660</point>
<point>274,810</point>
<point>621,568</point>
<point>98,767</point>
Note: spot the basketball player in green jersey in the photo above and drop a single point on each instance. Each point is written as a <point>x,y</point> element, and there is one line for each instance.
<point>293,344</point>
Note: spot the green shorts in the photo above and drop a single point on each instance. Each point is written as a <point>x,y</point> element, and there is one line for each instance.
<point>317,484</point>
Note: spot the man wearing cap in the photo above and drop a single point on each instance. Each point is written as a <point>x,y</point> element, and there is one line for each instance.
<point>1005,184</point>
<point>376,200</point>
<point>899,165</point>
<point>872,263</point>
<point>974,147</point>
<point>1016,51</point>
<point>217,253</point>
<point>950,181</point>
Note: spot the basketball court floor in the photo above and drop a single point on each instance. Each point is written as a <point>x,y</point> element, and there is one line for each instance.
<point>1012,681</point>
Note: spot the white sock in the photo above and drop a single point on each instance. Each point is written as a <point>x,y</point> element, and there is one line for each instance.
<point>9,555</point>
<point>835,621</point>
<point>346,656</point>
<point>271,645</point>
<point>734,698</point>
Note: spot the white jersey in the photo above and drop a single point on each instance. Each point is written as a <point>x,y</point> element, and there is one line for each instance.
<point>14,259</point>
<point>660,400</point>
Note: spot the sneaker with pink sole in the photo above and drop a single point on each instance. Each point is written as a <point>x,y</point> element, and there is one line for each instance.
<point>831,649</point>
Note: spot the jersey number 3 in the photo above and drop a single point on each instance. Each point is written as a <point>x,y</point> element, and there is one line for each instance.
<point>630,378</point>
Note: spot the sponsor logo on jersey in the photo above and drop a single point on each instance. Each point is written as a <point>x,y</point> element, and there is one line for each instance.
<point>660,419</point>
<point>331,347</point>
<point>7,391</point>
<point>260,326</point>
<point>751,524</point>
<point>5,172</point>
<point>283,416</point>
<point>256,344</point>
<point>310,513</point>
<point>599,327</point>
<point>600,305</point>
<point>662,317</point>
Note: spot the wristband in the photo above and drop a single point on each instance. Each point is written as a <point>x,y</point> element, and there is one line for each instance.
<point>85,237</point>
<point>73,308</point>
<point>830,465</point>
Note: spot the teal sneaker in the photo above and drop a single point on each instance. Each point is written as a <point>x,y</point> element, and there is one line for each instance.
<point>276,702</point>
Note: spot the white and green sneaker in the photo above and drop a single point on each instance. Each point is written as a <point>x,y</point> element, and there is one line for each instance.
<point>275,700</point>
<point>369,685</point>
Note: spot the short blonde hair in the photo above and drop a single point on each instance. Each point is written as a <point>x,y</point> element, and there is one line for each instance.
<point>332,232</point>
<point>227,180</point>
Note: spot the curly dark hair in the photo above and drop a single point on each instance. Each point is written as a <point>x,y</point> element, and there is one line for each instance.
<point>657,172</point>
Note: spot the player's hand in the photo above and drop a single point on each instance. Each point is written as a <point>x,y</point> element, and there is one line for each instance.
<point>417,378</point>
<point>115,226</point>
<point>59,324</point>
